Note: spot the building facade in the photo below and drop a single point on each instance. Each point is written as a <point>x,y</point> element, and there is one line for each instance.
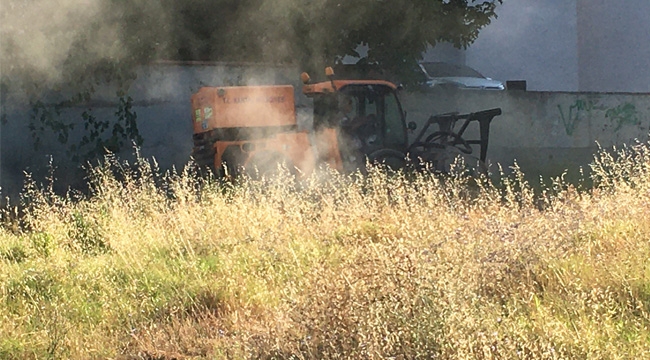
<point>563,45</point>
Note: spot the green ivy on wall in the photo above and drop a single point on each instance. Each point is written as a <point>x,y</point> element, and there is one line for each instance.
<point>91,136</point>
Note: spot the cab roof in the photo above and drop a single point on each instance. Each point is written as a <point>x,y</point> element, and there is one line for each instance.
<point>333,86</point>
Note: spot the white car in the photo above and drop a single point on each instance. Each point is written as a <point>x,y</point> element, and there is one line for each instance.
<point>445,75</point>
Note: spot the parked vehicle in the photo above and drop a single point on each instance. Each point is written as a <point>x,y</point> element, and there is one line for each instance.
<point>445,75</point>
<point>253,128</point>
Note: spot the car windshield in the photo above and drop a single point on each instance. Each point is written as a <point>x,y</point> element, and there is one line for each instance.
<point>439,69</point>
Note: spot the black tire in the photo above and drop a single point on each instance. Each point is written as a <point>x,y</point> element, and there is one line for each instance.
<point>472,166</point>
<point>392,159</point>
<point>456,140</point>
<point>203,157</point>
<point>267,166</point>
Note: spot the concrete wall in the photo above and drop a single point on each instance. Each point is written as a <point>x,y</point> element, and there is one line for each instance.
<point>545,132</point>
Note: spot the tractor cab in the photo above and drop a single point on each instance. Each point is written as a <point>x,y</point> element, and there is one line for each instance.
<point>371,126</point>
<point>367,117</point>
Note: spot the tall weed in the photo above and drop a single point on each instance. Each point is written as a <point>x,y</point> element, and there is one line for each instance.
<point>385,265</point>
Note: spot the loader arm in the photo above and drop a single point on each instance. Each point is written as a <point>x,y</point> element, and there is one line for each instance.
<point>447,124</point>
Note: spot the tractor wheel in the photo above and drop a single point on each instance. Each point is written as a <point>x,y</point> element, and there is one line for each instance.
<point>392,159</point>
<point>204,158</point>
<point>456,162</point>
<point>268,165</point>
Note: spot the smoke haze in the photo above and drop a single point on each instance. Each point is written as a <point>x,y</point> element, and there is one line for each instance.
<point>46,43</point>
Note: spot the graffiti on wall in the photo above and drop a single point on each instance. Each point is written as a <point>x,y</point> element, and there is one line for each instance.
<point>621,115</point>
<point>576,112</point>
<point>624,114</point>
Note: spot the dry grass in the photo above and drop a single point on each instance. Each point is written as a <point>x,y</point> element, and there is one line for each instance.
<point>388,266</point>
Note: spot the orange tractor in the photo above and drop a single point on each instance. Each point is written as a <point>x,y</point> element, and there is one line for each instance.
<point>354,122</point>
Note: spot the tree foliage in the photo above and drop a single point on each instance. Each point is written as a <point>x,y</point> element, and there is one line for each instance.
<point>307,33</point>
<point>316,32</point>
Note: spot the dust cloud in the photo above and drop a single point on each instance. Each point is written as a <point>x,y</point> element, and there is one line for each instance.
<point>44,43</point>
<point>38,35</point>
